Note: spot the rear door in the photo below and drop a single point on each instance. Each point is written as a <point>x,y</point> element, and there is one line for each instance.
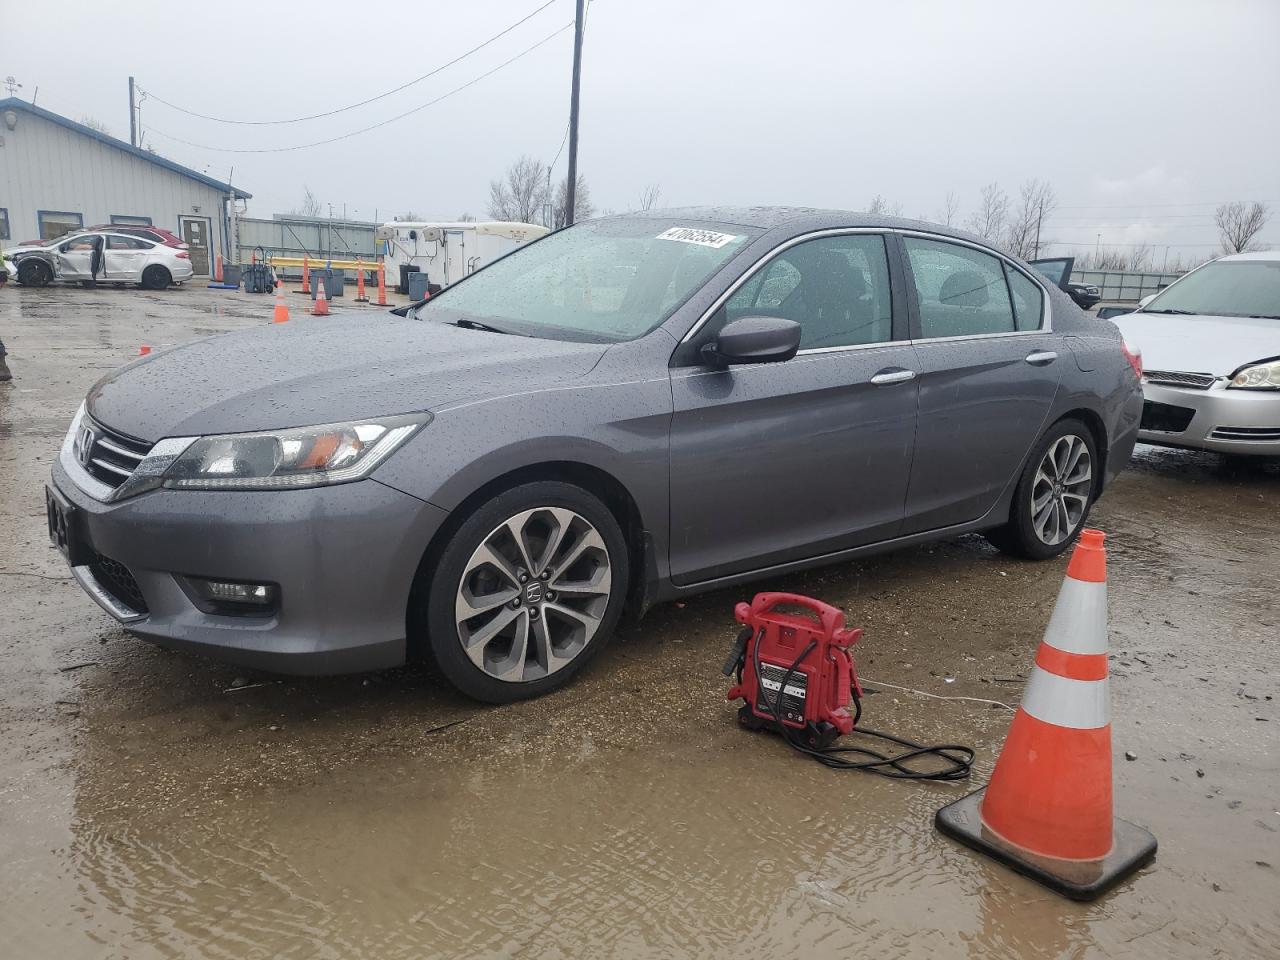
<point>989,368</point>
<point>785,461</point>
<point>125,256</point>
<point>1057,269</point>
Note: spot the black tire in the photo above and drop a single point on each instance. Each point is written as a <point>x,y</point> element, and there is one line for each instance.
<point>156,277</point>
<point>443,637</point>
<point>1018,536</point>
<point>34,273</point>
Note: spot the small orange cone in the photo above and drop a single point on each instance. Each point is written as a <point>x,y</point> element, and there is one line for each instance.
<point>306,275</point>
<point>360,296</point>
<point>143,350</point>
<point>281,314</point>
<point>321,307</point>
<point>1047,809</point>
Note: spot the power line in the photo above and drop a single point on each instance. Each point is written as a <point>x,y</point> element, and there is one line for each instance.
<point>375,126</point>
<point>1117,206</point>
<point>362,103</point>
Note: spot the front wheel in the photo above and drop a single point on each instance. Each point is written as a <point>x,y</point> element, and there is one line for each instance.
<point>34,273</point>
<point>526,591</point>
<point>1053,496</point>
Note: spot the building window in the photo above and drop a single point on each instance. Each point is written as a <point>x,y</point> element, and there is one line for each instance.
<point>125,220</point>
<point>54,223</point>
<point>4,223</point>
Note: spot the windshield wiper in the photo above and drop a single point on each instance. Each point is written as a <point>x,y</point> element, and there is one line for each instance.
<point>468,324</point>
<point>1262,316</point>
<point>1184,313</point>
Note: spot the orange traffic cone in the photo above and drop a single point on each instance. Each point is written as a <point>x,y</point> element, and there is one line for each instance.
<point>360,295</point>
<point>281,314</point>
<point>321,306</point>
<point>1047,810</point>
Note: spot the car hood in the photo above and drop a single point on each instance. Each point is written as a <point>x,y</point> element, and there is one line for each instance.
<point>314,371</point>
<point>1199,344</point>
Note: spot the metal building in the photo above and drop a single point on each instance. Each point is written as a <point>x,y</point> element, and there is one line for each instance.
<point>58,175</point>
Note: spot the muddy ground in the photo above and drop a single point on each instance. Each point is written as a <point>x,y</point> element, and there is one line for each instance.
<point>148,808</point>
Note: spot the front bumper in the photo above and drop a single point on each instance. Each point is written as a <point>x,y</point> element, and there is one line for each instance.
<point>1218,419</point>
<point>343,557</point>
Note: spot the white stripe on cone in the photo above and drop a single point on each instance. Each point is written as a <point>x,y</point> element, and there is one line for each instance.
<point>1079,621</point>
<point>1063,702</point>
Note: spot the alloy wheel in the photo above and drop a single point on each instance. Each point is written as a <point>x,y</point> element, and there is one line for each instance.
<point>1061,489</point>
<point>533,594</point>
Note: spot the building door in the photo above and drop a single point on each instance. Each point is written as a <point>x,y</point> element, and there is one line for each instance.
<point>455,248</point>
<point>196,235</point>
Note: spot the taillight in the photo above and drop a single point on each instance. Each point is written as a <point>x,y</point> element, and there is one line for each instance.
<point>1133,355</point>
<point>183,255</point>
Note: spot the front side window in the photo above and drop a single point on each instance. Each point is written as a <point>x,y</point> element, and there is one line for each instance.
<point>961,291</point>
<point>55,223</point>
<point>603,281</point>
<point>1028,301</point>
<point>87,242</point>
<point>1225,288</point>
<point>836,288</point>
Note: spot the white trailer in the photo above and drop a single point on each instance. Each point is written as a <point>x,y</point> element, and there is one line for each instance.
<point>447,252</point>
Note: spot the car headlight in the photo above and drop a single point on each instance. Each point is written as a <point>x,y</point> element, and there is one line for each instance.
<point>290,459</point>
<point>1258,376</point>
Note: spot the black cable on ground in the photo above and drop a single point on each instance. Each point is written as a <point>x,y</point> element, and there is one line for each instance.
<point>957,758</point>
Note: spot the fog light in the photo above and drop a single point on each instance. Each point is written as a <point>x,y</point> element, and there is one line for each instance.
<point>229,596</point>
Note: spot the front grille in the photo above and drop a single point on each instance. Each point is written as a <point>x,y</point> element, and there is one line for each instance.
<point>112,456</point>
<point>1246,433</point>
<point>115,578</point>
<point>1170,378</point>
<point>1165,417</point>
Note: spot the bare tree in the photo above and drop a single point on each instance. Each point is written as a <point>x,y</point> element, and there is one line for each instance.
<point>881,207</point>
<point>950,210</point>
<point>1036,202</point>
<point>1139,257</point>
<point>649,196</point>
<point>410,216</point>
<point>988,221</point>
<point>94,124</point>
<point>466,218</point>
<point>310,207</point>
<point>1238,223</point>
<point>582,208</point>
<point>521,193</point>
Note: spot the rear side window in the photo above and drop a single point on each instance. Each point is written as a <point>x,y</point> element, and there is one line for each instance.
<point>961,291</point>
<point>117,242</point>
<point>836,288</point>
<point>1028,300</point>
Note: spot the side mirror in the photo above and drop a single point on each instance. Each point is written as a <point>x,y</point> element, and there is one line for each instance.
<point>753,340</point>
<point>1145,300</point>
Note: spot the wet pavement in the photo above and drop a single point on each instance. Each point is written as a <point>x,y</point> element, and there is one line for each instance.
<point>154,804</point>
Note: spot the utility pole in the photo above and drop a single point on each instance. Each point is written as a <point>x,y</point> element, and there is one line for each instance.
<point>1097,250</point>
<point>572,187</point>
<point>1039,216</point>
<point>133,115</point>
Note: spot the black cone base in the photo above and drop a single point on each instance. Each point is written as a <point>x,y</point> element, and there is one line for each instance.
<point>1134,848</point>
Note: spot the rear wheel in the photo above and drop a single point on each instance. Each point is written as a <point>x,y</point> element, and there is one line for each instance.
<point>34,273</point>
<point>1053,496</point>
<point>526,591</point>
<point>156,277</point>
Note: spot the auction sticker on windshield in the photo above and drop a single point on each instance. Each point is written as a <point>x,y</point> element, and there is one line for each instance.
<point>703,238</point>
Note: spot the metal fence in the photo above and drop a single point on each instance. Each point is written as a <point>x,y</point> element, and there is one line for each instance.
<point>316,237</point>
<point>1124,285</point>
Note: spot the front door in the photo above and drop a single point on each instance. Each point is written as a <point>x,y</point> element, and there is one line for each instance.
<point>786,461</point>
<point>75,258</point>
<point>455,259</point>
<point>196,235</point>
<point>988,375</point>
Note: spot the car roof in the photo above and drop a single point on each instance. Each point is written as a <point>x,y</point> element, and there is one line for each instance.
<point>799,219</point>
<point>1254,255</point>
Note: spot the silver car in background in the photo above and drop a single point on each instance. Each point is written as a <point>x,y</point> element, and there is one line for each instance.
<point>1210,342</point>
<point>99,256</point>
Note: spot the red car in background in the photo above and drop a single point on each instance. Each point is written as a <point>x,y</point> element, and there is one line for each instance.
<point>154,234</point>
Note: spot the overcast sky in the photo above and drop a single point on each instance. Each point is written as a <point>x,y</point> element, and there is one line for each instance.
<point>1142,115</point>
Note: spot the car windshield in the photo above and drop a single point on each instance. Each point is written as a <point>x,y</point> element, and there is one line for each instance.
<point>605,280</point>
<point>1225,288</point>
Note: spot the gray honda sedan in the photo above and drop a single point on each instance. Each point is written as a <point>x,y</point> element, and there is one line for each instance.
<point>627,411</point>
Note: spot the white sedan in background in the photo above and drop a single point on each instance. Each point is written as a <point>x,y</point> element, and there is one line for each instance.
<point>1210,345</point>
<point>99,257</point>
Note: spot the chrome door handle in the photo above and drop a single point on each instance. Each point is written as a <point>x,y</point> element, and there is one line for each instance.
<point>885,377</point>
<point>1041,358</point>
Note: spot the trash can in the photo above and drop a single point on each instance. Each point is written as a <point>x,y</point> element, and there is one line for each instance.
<point>405,270</point>
<point>231,275</point>
<point>417,285</point>
<point>333,280</point>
